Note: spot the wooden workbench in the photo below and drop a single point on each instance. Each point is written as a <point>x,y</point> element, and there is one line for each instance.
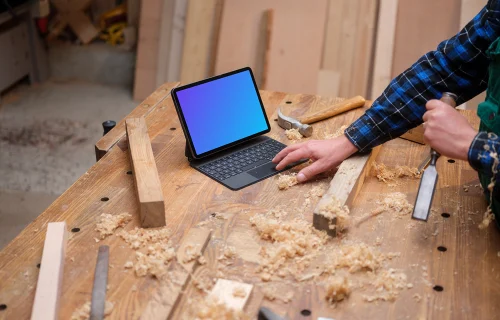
<point>468,270</point>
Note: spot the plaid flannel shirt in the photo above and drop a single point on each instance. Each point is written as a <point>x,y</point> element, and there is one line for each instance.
<point>458,65</point>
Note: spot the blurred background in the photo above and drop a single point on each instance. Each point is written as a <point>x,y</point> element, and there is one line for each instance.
<point>68,65</point>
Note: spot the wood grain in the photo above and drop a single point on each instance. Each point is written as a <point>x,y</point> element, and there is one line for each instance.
<point>466,271</point>
<point>48,288</point>
<point>224,291</point>
<point>344,187</point>
<point>167,298</point>
<point>295,25</point>
<point>147,181</point>
<point>335,109</point>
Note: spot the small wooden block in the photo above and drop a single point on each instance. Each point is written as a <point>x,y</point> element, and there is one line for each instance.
<point>48,288</point>
<point>344,186</point>
<point>147,181</point>
<point>225,290</point>
<point>415,135</point>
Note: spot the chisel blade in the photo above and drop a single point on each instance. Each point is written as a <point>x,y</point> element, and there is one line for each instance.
<point>425,194</point>
<point>98,300</point>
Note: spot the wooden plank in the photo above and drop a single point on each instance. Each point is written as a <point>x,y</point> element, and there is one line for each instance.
<point>49,285</point>
<point>296,25</point>
<point>169,294</point>
<point>348,46</point>
<point>421,26</point>
<point>328,83</point>
<point>199,35</point>
<point>148,47</point>
<point>232,293</point>
<point>344,187</point>
<point>384,46</point>
<point>147,181</point>
<point>146,107</point>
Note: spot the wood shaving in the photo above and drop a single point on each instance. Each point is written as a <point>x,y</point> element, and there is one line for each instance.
<point>83,313</point>
<point>338,289</point>
<point>388,285</point>
<point>393,202</point>
<point>488,215</point>
<point>389,175</point>
<point>293,134</point>
<point>191,253</point>
<point>336,213</point>
<point>286,181</point>
<point>239,292</point>
<point>358,257</point>
<point>340,131</point>
<point>202,260</point>
<point>128,265</point>
<point>271,293</point>
<point>211,309</point>
<point>108,223</point>
<point>417,297</point>
<point>157,251</point>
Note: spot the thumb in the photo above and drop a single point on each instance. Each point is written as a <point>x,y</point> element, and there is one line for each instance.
<point>310,171</point>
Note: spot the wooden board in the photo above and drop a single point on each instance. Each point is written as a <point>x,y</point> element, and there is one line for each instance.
<point>167,297</point>
<point>142,110</point>
<point>384,47</point>
<point>344,187</point>
<point>194,199</point>
<point>147,182</point>
<point>328,83</point>
<point>49,285</point>
<point>224,291</point>
<point>421,26</point>
<point>296,25</point>
<point>201,21</point>
<point>349,44</point>
<point>82,26</point>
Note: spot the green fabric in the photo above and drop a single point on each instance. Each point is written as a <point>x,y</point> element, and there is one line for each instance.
<point>489,113</point>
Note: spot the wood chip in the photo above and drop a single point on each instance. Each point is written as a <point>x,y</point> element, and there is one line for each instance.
<point>108,223</point>
<point>293,134</point>
<point>338,289</point>
<point>83,313</point>
<point>390,175</point>
<point>334,210</point>
<point>286,181</point>
<point>211,309</point>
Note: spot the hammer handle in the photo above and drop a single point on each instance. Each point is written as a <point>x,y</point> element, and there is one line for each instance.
<point>334,110</point>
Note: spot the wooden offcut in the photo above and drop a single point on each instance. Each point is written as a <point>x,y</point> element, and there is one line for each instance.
<point>147,181</point>
<point>233,294</point>
<point>416,135</point>
<point>49,285</point>
<point>167,297</point>
<point>72,13</point>
<point>344,187</point>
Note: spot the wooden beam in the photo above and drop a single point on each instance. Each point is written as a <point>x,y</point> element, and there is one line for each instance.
<point>169,293</point>
<point>147,181</point>
<point>48,288</point>
<point>344,187</point>
<point>198,38</point>
<point>146,107</point>
<point>384,47</point>
<point>234,294</point>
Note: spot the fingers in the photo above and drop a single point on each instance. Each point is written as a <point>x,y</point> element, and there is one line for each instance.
<point>293,156</point>
<point>283,153</point>
<point>312,170</point>
<point>434,104</point>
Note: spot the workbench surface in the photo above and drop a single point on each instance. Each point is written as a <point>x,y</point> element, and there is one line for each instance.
<point>468,271</point>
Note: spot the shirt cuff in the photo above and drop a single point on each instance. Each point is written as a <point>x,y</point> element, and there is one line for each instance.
<point>363,133</point>
<point>481,151</point>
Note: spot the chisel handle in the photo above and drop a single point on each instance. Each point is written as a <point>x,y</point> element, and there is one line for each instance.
<point>346,105</point>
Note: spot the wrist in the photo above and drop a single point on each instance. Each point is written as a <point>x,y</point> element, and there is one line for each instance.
<point>466,144</point>
<point>347,146</point>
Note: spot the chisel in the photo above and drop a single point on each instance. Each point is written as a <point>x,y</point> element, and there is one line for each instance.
<point>429,178</point>
<point>98,301</point>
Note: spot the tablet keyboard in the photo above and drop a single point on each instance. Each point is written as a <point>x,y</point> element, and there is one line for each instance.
<point>243,160</point>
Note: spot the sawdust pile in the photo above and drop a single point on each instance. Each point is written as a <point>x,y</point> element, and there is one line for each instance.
<point>293,134</point>
<point>358,257</point>
<point>340,131</point>
<point>393,202</point>
<point>334,209</point>
<point>108,223</point>
<point>157,251</point>
<point>286,181</point>
<point>337,289</point>
<point>83,313</point>
<point>210,308</point>
<point>389,175</point>
<point>388,284</point>
<point>293,244</point>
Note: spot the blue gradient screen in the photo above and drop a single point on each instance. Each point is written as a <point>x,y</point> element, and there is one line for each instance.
<point>222,111</point>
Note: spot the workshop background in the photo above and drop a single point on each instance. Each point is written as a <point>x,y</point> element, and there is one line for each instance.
<point>68,65</point>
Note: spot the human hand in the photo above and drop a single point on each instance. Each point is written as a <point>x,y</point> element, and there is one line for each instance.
<point>447,131</point>
<point>325,154</point>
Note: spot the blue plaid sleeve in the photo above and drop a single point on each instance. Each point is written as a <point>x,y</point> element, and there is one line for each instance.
<point>483,154</point>
<point>458,65</point>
